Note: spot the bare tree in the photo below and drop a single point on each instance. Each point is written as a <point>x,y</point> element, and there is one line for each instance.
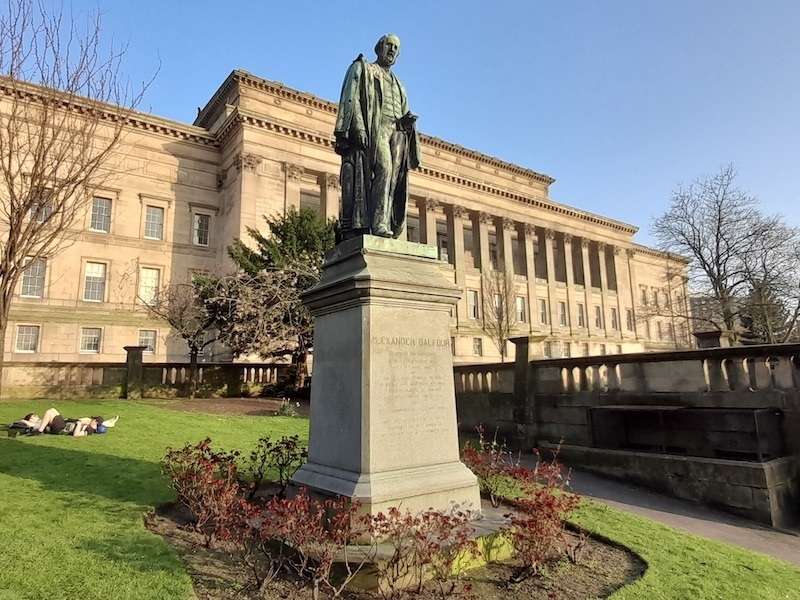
<point>730,242</point>
<point>261,313</point>
<point>63,108</point>
<point>180,306</point>
<point>499,307</point>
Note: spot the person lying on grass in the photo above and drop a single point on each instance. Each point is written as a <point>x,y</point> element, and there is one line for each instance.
<point>53,422</point>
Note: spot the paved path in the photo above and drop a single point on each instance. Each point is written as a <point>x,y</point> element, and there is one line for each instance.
<point>689,516</point>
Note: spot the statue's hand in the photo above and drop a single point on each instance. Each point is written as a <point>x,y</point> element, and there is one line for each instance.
<point>361,137</point>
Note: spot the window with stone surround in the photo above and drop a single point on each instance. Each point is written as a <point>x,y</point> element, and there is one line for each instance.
<point>567,352</point>
<point>581,315</point>
<point>477,347</point>
<point>201,229</point>
<point>614,319</point>
<point>101,215</point>
<point>522,317</point>
<point>547,349</point>
<point>473,311</point>
<point>147,338</point>
<point>90,340</point>
<point>27,338</point>
<point>562,313</point>
<point>543,311</point>
<point>33,278</point>
<point>94,286</point>
<point>629,319</point>
<point>598,317</point>
<point>585,349</point>
<point>149,279</point>
<point>659,333</point>
<point>154,223</point>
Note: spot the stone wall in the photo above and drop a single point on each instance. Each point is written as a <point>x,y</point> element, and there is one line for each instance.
<point>104,380</point>
<point>688,422</point>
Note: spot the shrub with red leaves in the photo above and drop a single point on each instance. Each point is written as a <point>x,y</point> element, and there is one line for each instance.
<point>207,483</point>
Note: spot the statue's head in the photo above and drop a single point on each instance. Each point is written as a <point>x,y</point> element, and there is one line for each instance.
<point>387,49</point>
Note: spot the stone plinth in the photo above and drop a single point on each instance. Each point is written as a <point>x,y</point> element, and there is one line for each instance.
<point>383,415</point>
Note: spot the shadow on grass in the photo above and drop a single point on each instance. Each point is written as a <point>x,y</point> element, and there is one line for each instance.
<point>84,471</point>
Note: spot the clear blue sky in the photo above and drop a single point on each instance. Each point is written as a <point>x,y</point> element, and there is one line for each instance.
<point>617,100</point>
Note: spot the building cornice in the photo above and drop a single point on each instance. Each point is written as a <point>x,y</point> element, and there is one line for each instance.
<point>241,117</point>
<point>249,80</point>
<point>654,253</point>
<point>112,113</point>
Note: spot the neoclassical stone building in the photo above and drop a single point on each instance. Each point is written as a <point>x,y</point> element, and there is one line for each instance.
<point>180,194</point>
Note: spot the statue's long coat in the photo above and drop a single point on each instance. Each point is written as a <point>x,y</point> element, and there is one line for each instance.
<point>360,108</point>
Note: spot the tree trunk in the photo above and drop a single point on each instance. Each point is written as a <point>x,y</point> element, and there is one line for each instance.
<point>192,372</point>
<point>3,327</point>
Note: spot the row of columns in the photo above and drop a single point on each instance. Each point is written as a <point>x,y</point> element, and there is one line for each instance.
<point>330,193</point>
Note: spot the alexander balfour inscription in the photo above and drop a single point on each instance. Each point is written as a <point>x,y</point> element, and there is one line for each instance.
<point>420,342</point>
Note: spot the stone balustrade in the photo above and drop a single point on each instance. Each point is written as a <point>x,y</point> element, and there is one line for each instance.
<point>743,368</point>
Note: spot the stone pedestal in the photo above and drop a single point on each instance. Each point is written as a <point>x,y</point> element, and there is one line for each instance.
<point>132,386</point>
<point>383,415</point>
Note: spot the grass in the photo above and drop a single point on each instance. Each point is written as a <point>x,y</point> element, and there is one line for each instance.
<point>72,507</point>
<point>72,515</point>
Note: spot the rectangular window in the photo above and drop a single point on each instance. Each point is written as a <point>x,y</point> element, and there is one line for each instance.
<point>567,350</point>
<point>586,349</point>
<point>581,316</point>
<point>41,210</point>
<point>644,296</point>
<point>547,350</point>
<point>453,346</point>
<point>202,226</point>
<point>667,300</point>
<point>655,298</point>
<point>521,315</point>
<point>497,299</point>
<point>670,332</point>
<point>602,349</point>
<point>154,223</point>
<point>148,285</point>
<point>543,311</point>
<point>619,349</point>
<point>647,330</point>
<point>472,304</point>
<point>614,319</point>
<point>94,289</point>
<point>90,340</point>
<point>147,338</point>
<point>101,215</point>
<point>598,317</point>
<point>477,347</point>
<point>562,313</point>
<point>659,334</point>
<point>33,278</point>
<point>629,319</point>
<point>27,338</point>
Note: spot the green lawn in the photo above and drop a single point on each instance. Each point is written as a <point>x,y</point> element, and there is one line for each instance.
<point>72,515</point>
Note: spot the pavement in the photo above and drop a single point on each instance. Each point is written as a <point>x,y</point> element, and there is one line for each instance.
<point>688,516</point>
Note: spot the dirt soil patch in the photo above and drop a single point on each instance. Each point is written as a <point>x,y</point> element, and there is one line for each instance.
<point>257,407</point>
<point>218,574</point>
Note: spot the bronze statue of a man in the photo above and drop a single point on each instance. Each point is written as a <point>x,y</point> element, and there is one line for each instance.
<point>377,138</point>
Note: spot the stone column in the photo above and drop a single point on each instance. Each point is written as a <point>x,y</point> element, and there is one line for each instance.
<point>618,303</point>
<point>455,252</point>
<point>549,236</point>
<point>629,254</point>
<point>329,195</point>
<point>480,238</point>
<point>601,255</point>
<point>570,278</point>
<point>528,236</point>
<point>427,220</point>
<point>291,194</point>
<point>504,227</point>
<point>588,309</point>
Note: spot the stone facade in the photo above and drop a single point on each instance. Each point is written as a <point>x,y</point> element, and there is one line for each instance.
<point>181,193</point>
